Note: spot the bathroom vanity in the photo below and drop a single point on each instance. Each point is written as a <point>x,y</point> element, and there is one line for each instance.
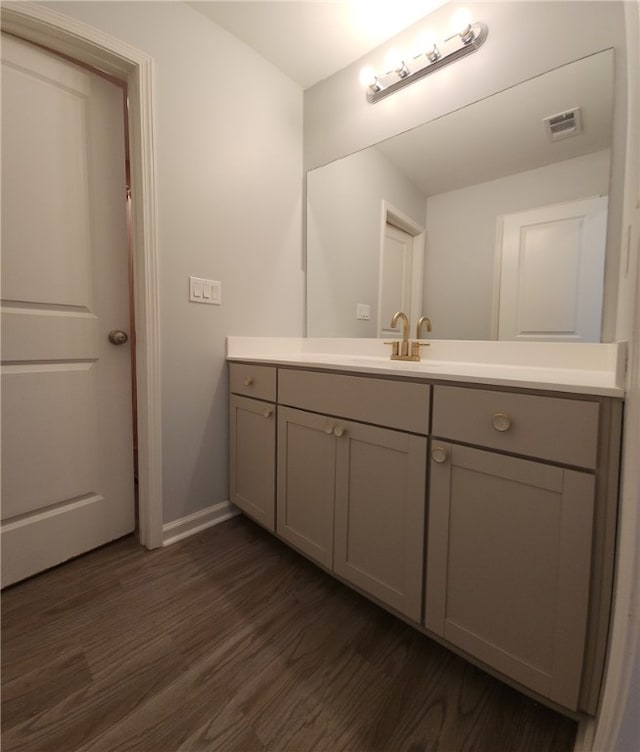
<point>474,498</point>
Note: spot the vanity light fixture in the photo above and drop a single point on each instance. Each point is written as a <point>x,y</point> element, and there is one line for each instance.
<point>468,37</point>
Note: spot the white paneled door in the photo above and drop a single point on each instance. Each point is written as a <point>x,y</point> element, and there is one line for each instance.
<point>400,286</point>
<point>552,272</point>
<point>67,457</point>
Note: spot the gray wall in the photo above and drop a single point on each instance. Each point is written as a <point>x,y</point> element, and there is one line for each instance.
<point>618,725</point>
<point>229,189</point>
<point>461,238</point>
<point>525,39</point>
<point>344,219</point>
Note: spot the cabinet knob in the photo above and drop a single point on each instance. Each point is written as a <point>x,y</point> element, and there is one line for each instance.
<point>338,431</point>
<point>248,380</point>
<point>267,412</point>
<point>439,454</point>
<point>328,428</point>
<point>501,422</point>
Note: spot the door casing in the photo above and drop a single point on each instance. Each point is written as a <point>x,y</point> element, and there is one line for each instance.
<point>391,215</point>
<point>88,45</point>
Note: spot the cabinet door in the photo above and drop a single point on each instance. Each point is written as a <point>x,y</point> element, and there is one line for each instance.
<point>508,565</point>
<point>306,482</point>
<point>379,513</point>
<point>252,457</point>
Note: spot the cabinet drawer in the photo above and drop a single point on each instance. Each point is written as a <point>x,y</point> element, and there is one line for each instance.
<point>253,381</point>
<point>551,428</point>
<point>396,404</point>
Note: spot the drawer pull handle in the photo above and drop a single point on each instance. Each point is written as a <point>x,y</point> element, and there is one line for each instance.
<point>267,412</point>
<point>501,422</point>
<point>328,428</point>
<point>248,380</point>
<point>439,454</point>
<point>338,431</point>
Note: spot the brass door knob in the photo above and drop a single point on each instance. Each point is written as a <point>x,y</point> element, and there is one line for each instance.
<point>117,337</point>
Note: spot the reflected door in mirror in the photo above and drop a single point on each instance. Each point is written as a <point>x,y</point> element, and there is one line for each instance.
<point>401,277</point>
<point>551,273</point>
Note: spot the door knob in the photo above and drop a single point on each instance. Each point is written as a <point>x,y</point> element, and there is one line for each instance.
<point>117,337</point>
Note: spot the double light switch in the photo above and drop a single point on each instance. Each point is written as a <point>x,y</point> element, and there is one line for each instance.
<point>205,291</point>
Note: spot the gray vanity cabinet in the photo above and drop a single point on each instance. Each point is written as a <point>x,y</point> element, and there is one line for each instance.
<point>510,539</point>
<point>379,514</point>
<point>306,482</point>
<point>509,556</point>
<point>508,565</point>
<point>252,440</point>
<point>352,495</point>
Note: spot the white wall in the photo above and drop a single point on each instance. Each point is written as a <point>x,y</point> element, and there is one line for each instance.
<point>344,215</point>
<point>461,238</point>
<point>617,727</point>
<point>229,189</point>
<point>525,39</point>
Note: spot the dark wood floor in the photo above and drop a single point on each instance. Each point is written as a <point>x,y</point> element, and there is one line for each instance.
<point>231,641</point>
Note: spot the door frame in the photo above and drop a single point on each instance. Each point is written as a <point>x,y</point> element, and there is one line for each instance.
<point>393,216</point>
<point>87,45</point>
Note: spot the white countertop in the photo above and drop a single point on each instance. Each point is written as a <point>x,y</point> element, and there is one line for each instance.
<point>581,368</point>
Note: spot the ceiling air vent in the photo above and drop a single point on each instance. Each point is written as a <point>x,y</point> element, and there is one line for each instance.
<point>564,124</point>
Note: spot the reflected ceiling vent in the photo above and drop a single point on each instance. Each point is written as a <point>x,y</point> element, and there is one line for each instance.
<point>564,124</point>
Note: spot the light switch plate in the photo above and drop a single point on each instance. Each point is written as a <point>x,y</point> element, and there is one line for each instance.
<point>363,311</point>
<point>205,291</point>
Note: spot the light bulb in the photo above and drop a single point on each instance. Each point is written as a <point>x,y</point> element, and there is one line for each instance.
<point>461,25</point>
<point>368,78</point>
<point>428,46</point>
<point>393,60</point>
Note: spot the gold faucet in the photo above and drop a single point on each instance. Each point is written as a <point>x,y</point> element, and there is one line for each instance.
<point>403,349</point>
<point>415,346</point>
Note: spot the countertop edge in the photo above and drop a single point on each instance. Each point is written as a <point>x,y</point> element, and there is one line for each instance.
<point>550,382</point>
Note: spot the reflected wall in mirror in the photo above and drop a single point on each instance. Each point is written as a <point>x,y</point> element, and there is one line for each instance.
<point>456,181</point>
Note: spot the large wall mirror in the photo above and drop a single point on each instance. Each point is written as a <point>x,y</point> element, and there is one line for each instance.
<point>480,219</point>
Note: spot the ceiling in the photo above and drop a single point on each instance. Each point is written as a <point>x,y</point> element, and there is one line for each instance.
<point>310,40</point>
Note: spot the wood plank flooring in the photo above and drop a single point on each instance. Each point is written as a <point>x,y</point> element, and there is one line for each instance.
<point>231,641</point>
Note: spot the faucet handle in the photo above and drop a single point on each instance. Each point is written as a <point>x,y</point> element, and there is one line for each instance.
<point>415,349</point>
<point>395,348</point>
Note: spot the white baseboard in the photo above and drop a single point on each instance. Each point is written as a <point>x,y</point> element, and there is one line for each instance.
<point>174,531</point>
